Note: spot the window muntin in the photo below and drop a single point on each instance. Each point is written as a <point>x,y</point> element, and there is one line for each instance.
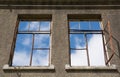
<point>86,43</point>
<point>85,25</point>
<point>32,47</point>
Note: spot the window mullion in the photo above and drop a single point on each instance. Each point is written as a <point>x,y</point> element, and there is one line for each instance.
<point>32,50</point>
<point>87,50</point>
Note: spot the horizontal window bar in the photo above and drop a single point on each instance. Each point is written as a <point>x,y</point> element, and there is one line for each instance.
<point>85,32</point>
<point>79,30</point>
<point>41,48</point>
<point>35,32</point>
<point>78,49</point>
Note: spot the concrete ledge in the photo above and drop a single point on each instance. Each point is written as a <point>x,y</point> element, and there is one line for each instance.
<point>68,67</point>
<point>7,67</point>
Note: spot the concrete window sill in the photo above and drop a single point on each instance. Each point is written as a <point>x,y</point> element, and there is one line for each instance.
<point>7,67</point>
<point>90,68</point>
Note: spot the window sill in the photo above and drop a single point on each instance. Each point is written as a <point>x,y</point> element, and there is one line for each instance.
<point>90,68</point>
<point>6,67</point>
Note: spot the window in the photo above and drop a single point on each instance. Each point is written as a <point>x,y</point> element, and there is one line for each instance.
<point>86,43</point>
<point>32,46</point>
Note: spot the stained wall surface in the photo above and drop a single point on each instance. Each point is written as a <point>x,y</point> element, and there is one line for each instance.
<point>59,42</point>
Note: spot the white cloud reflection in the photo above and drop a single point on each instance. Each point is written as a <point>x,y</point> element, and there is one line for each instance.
<point>40,58</point>
<point>23,48</point>
<point>26,41</point>
<point>21,58</point>
<point>96,53</point>
<point>34,26</point>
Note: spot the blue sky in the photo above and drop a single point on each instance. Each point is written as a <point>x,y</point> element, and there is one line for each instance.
<point>95,44</point>
<point>24,44</point>
<point>41,57</point>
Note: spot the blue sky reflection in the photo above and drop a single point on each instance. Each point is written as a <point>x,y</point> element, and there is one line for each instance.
<point>95,44</point>
<point>23,46</point>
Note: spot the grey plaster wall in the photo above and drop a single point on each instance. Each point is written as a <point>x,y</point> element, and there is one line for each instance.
<point>59,42</point>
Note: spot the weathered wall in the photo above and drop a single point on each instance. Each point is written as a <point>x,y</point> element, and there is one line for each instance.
<point>60,43</point>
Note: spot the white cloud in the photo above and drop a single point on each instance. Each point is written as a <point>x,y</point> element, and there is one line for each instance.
<point>41,40</point>
<point>40,58</point>
<point>21,58</point>
<point>26,41</point>
<point>96,53</point>
<point>79,58</point>
<point>34,26</point>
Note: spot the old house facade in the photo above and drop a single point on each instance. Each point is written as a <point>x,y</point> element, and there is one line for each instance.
<point>59,38</point>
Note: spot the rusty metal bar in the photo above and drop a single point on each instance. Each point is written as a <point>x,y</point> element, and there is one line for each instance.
<point>111,44</point>
<point>105,54</point>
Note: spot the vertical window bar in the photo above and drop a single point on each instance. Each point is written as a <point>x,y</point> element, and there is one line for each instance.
<point>32,50</point>
<point>111,44</point>
<point>87,49</point>
<point>105,54</point>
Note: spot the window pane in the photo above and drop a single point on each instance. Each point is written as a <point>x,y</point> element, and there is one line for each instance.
<point>42,41</point>
<point>95,25</point>
<point>45,26</point>
<point>23,26</point>
<point>34,26</point>
<point>84,25</point>
<point>79,58</point>
<point>22,50</point>
<point>74,25</point>
<point>95,49</point>
<point>40,58</point>
<point>77,41</point>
